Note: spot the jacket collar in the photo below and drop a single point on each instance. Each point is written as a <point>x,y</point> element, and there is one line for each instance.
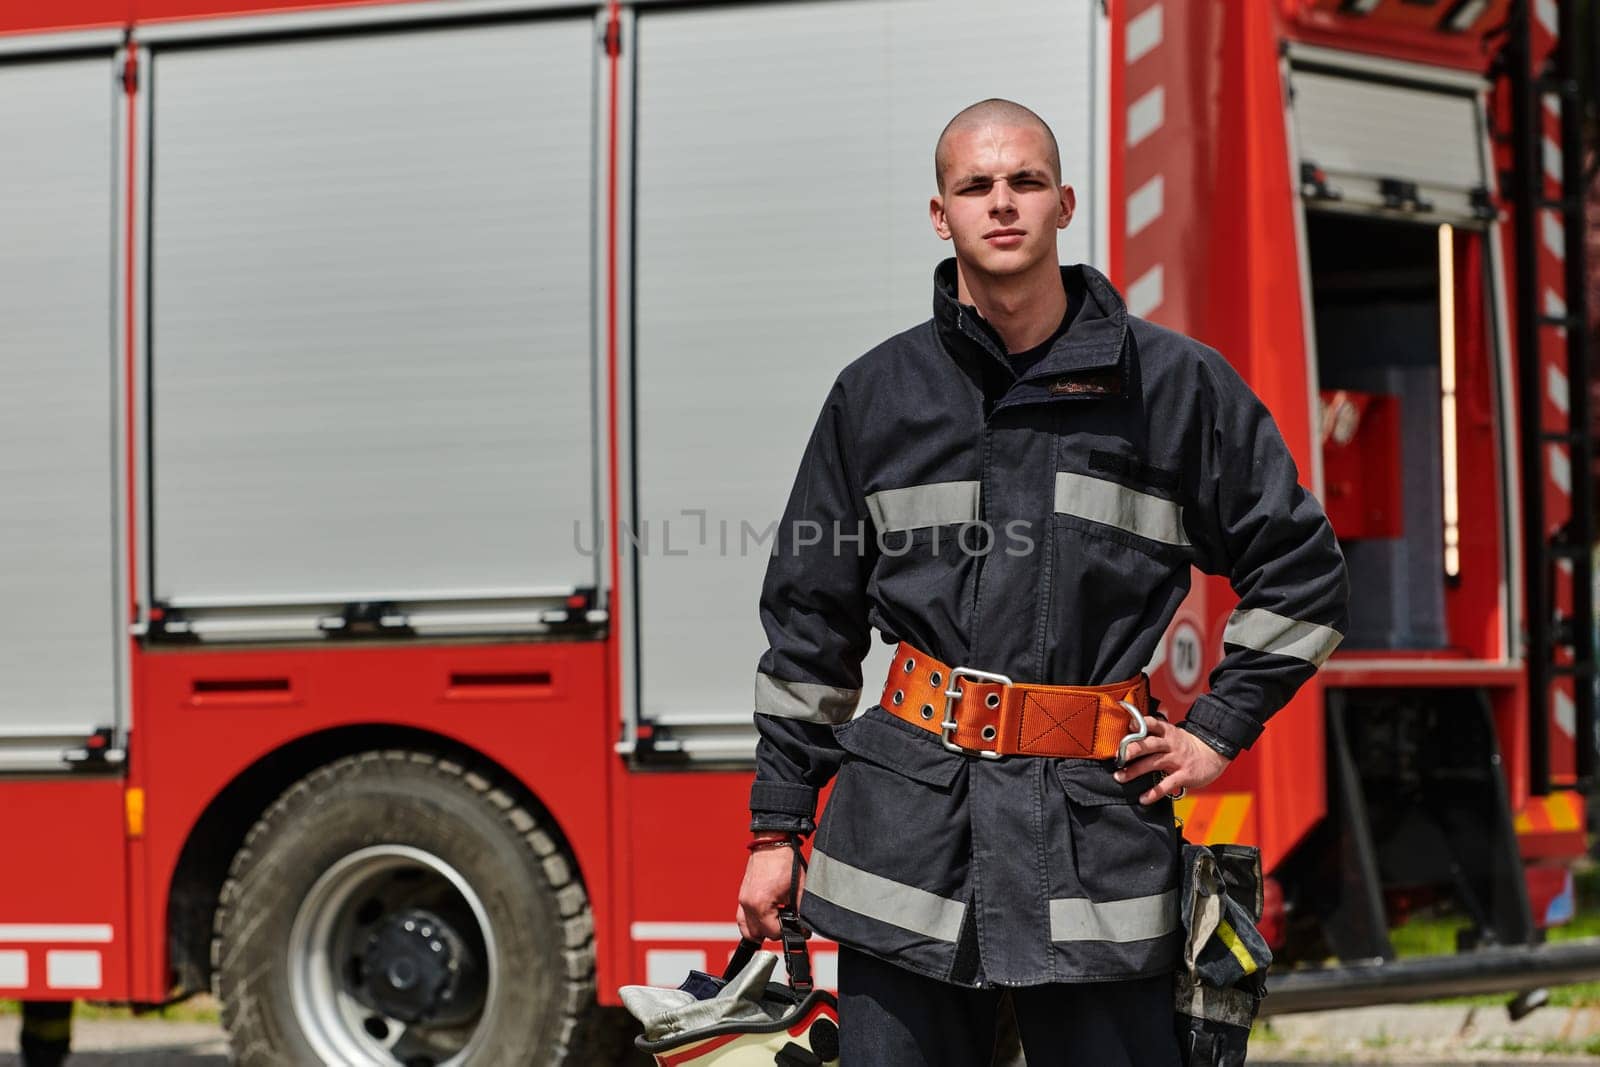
<point>1091,351</point>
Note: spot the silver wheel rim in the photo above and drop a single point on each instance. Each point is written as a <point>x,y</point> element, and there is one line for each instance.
<point>327,929</point>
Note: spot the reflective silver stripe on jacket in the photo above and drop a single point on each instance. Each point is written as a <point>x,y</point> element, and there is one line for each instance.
<point>804,700</point>
<point>1267,631</point>
<point>1133,919</point>
<point>1099,500</point>
<point>883,899</point>
<point>934,504</point>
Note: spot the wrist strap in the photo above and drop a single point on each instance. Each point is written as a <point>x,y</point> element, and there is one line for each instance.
<point>761,844</point>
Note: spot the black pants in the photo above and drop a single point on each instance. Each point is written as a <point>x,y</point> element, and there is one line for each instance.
<point>46,1036</point>
<point>891,1017</point>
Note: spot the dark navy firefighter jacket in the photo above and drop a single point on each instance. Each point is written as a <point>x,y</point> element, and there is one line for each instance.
<point>1046,532</point>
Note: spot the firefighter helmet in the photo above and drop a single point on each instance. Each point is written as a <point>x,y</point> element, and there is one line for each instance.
<point>742,1019</point>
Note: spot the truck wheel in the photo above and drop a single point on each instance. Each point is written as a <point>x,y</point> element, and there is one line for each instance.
<point>397,908</point>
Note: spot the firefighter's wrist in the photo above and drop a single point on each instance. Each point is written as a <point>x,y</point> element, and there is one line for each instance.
<point>1211,740</point>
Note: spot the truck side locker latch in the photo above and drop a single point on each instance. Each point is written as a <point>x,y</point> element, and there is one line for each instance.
<point>169,623</point>
<point>1314,183</point>
<point>365,618</point>
<point>655,744</point>
<point>1483,204</point>
<point>1402,195</point>
<point>99,751</point>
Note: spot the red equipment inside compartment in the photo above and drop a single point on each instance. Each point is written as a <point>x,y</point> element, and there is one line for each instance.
<point>1361,463</point>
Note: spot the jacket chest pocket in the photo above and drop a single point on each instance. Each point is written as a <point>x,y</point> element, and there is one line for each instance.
<point>1119,562</point>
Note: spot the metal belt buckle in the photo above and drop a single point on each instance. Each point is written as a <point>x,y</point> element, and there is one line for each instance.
<point>948,727</point>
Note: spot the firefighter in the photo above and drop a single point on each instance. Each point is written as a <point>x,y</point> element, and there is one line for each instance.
<point>1013,492</point>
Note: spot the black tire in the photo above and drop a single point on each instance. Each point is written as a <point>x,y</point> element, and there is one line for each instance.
<point>540,1010</point>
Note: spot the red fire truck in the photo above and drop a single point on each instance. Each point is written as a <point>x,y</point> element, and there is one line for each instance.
<point>397,400</point>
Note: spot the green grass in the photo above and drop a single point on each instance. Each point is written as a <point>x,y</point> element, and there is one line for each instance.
<point>200,1009</point>
<point>1551,1047</point>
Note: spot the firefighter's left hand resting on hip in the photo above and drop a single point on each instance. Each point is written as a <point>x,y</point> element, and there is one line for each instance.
<point>1186,762</point>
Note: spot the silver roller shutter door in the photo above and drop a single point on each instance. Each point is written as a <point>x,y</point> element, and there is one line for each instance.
<point>372,356</point>
<point>58,632</point>
<point>1360,132</point>
<point>784,165</point>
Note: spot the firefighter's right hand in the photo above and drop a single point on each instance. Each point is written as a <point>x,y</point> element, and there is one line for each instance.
<point>765,890</point>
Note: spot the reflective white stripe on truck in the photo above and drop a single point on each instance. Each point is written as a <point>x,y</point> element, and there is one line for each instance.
<point>76,932</point>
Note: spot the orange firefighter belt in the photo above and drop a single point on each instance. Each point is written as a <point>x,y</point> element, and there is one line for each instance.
<point>990,716</point>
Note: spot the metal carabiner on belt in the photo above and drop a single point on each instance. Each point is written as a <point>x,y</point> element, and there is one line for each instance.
<point>1140,731</point>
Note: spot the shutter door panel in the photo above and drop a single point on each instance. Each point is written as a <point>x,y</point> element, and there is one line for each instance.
<point>59,632</point>
<point>372,354</point>
<point>1361,132</point>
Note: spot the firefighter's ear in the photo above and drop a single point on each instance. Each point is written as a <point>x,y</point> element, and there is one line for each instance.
<point>941,224</point>
<point>1069,204</point>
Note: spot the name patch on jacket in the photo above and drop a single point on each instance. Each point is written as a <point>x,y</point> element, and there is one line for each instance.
<point>1100,383</point>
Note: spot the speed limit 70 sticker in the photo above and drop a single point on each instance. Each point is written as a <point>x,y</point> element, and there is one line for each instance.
<point>1184,655</point>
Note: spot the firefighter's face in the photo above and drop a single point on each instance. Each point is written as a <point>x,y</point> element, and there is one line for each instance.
<point>1001,203</point>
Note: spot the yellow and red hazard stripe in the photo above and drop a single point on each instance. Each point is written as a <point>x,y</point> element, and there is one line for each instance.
<point>1556,813</point>
<point>1216,818</point>
<point>1551,827</point>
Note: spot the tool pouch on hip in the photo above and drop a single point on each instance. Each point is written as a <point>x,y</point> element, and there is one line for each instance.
<point>1222,977</point>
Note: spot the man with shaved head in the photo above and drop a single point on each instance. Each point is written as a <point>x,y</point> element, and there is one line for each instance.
<point>1013,493</point>
<point>992,112</point>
